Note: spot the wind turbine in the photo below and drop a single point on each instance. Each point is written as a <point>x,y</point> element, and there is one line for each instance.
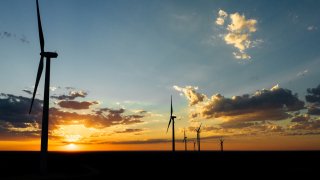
<point>45,109</point>
<point>185,140</point>
<point>198,136</point>
<point>221,144</point>
<point>172,117</point>
<point>194,145</point>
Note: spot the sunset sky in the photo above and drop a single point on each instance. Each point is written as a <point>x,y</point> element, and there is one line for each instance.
<point>247,70</point>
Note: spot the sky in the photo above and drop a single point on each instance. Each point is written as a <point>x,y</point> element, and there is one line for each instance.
<point>248,71</point>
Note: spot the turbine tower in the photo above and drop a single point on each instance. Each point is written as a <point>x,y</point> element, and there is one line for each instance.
<point>45,109</point>
<point>221,144</point>
<point>172,117</point>
<point>194,145</point>
<point>198,136</point>
<point>185,140</point>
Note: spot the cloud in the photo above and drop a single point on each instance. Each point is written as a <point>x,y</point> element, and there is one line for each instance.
<point>313,95</point>
<point>148,141</point>
<point>191,94</point>
<point>6,34</point>
<point>313,98</point>
<point>265,104</point>
<point>15,117</point>
<point>306,125</point>
<point>300,118</point>
<point>312,28</point>
<point>273,104</point>
<point>76,104</point>
<point>314,110</point>
<point>52,88</point>
<point>205,128</point>
<point>72,95</point>
<point>257,127</point>
<point>303,73</point>
<point>27,91</point>
<point>129,131</point>
<point>239,32</point>
<point>221,17</point>
<point>99,119</point>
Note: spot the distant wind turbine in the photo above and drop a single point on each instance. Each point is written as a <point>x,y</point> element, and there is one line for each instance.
<point>172,117</point>
<point>221,144</point>
<point>198,136</point>
<point>185,140</point>
<point>194,145</point>
<point>45,109</point>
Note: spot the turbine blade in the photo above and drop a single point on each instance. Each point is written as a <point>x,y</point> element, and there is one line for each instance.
<point>169,124</point>
<point>41,38</point>
<point>199,127</point>
<point>40,69</point>
<point>171,106</point>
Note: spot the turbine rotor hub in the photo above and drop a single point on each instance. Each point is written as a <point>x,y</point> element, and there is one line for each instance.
<point>49,54</point>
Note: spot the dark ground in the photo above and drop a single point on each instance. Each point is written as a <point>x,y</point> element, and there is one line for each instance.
<point>154,165</point>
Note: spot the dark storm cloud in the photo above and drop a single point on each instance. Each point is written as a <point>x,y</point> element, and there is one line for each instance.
<point>71,96</point>
<point>273,104</point>
<point>76,104</point>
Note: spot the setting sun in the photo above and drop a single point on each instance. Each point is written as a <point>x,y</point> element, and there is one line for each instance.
<point>71,147</point>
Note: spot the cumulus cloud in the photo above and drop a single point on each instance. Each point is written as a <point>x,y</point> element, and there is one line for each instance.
<point>71,96</point>
<point>222,15</point>
<point>191,94</point>
<point>265,104</point>
<point>273,104</point>
<point>239,32</point>
<point>77,105</point>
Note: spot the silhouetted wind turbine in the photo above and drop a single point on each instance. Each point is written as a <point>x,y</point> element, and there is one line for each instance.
<point>172,117</point>
<point>194,145</point>
<point>45,110</point>
<point>198,136</point>
<point>221,144</point>
<point>185,140</point>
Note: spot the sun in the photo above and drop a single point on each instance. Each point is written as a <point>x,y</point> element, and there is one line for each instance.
<point>71,147</point>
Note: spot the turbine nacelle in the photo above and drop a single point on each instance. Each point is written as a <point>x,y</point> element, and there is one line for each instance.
<point>173,117</point>
<point>49,54</point>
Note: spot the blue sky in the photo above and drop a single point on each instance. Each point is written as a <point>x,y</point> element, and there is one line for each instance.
<point>137,50</point>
